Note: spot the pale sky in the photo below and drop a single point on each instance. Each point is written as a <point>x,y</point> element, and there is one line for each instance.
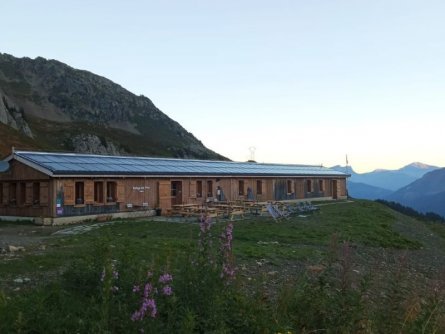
<point>303,81</point>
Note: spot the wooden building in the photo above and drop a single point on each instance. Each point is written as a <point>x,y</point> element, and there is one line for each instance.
<point>54,185</point>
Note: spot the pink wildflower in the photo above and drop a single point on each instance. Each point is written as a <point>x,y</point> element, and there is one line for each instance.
<point>167,290</point>
<point>165,278</point>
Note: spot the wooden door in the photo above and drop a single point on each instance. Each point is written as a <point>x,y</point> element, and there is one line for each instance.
<point>165,201</point>
<point>334,189</point>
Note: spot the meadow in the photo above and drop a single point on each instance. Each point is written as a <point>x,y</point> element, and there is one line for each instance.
<point>350,268</point>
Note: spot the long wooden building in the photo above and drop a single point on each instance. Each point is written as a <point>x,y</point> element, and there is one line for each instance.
<point>56,185</point>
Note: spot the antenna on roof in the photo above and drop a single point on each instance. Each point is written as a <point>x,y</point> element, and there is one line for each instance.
<point>252,150</point>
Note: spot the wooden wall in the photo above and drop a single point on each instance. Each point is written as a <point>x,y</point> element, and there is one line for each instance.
<point>16,195</point>
<point>134,193</point>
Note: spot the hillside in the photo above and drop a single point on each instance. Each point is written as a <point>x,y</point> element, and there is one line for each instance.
<point>49,105</point>
<point>353,267</point>
<point>366,191</point>
<point>426,194</point>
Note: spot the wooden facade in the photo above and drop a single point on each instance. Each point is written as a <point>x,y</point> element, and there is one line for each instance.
<point>27,192</point>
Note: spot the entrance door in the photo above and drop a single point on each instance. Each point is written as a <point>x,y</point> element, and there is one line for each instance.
<point>176,192</point>
<point>164,192</point>
<point>334,189</point>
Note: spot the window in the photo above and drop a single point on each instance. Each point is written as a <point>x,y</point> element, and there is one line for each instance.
<point>79,194</point>
<point>36,193</point>
<point>259,187</point>
<point>1,194</point>
<point>13,193</point>
<point>209,188</point>
<point>22,193</point>
<point>198,188</point>
<point>289,187</point>
<point>240,187</point>
<point>309,186</point>
<point>98,192</point>
<point>111,191</point>
<point>320,185</point>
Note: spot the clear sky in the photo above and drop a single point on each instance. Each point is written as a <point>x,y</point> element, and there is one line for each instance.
<point>303,81</point>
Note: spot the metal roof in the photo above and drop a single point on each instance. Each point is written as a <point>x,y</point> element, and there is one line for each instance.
<point>61,164</point>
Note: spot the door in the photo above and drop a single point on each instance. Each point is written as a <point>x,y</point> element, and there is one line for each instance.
<point>176,192</point>
<point>334,189</point>
<point>164,192</point>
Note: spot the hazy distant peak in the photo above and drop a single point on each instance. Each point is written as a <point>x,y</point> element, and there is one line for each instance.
<point>379,170</point>
<point>419,165</point>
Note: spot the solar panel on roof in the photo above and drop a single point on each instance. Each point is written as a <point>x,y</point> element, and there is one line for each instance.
<point>72,163</point>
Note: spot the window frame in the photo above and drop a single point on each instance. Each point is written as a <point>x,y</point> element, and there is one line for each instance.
<point>308,186</point>
<point>35,193</point>
<point>111,193</point>
<point>321,185</point>
<point>259,187</point>
<point>241,188</point>
<point>289,186</point>
<point>209,188</point>
<point>79,193</point>
<point>98,192</point>
<point>13,194</point>
<point>198,188</point>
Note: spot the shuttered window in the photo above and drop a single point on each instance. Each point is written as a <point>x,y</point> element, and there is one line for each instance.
<point>309,186</point>
<point>198,188</point>
<point>36,193</point>
<point>22,193</point>
<point>320,185</point>
<point>79,193</point>
<point>28,193</point>
<point>120,192</point>
<point>89,191</point>
<point>5,193</point>
<point>13,194</point>
<point>240,187</point>
<point>192,189</point>
<point>290,189</point>
<point>259,187</point>
<point>1,194</point>
<point>98,192</point>
<point>44,193</point>
<point>68,193</point>
<point>111,192</point>
<point>209,188</point>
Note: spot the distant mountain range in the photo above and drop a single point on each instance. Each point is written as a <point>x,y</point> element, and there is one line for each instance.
<point>417,185</point>
<point>426,194</point>
<point>45,104</point>
<point>381,182</point>
<point>391,180</point>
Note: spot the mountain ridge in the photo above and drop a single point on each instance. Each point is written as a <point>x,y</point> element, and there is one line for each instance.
<point>391,180</point>
<point>426,194</point>
<point>53,106</point>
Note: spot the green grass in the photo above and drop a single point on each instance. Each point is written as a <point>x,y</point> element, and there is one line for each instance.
<point>66,295</point>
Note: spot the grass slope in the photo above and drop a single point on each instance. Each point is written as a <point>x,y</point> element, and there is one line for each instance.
<point>334,270</point>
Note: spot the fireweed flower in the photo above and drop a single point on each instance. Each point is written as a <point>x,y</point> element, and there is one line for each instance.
<point>167,290</point>
<point>226,238</point>
<point>165,278</point>
<point>147,290</point>
<point>148,307</point>
<point>110,277</point>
